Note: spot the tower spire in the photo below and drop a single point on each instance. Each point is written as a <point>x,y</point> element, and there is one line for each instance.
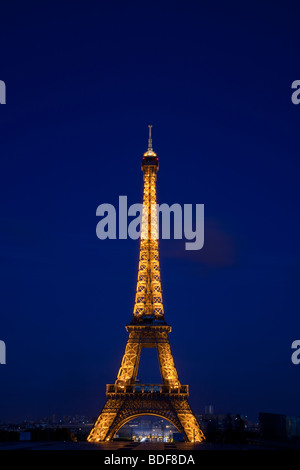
<point>150,138</point>
<point>150,152</point>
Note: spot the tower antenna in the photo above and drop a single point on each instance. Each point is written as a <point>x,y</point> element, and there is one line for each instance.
<point>150,138</point>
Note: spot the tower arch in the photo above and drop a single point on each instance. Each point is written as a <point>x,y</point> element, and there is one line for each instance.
<point>138,415</point>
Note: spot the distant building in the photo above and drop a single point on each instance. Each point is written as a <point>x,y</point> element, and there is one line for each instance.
<point>223,427</point>
<point>209,410</point>
<point>278,427</point>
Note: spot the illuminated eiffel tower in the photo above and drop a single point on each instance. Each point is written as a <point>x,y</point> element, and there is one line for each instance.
<point>126,398</point>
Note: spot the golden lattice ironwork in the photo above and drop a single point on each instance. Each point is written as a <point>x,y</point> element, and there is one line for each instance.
<point>148,299</point>
<point>127,399</point>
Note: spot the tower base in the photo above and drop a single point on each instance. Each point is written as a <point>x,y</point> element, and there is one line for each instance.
<point>129,402</point>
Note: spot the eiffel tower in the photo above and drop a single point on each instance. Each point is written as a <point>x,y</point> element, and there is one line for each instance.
<point>126,398</point>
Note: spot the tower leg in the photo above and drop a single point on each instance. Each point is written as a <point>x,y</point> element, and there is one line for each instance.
<point>105,420</point>
<point>166,364</point>
<point>130,363</point>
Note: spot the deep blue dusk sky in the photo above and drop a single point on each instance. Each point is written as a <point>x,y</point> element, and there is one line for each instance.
<point>84,79</point>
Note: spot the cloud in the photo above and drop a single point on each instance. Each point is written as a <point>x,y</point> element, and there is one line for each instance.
<point>219,248</point>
